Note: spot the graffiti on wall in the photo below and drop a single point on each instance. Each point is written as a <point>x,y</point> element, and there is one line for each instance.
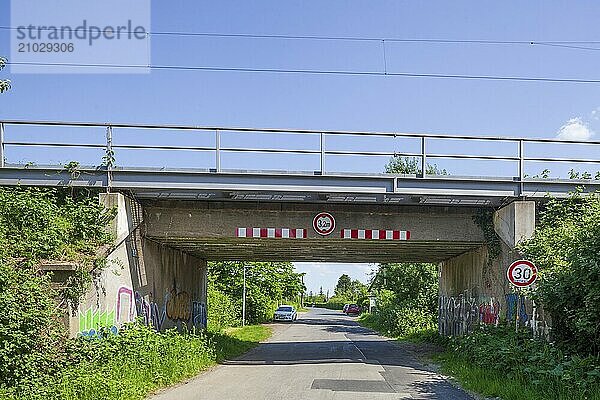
<point>199,317</point>
<point>125,305</point>
<point>151,314</point>
<point>176,306</point>
<point>94,318</point>
<point>179,306</point>
<point>459,315</point>
<point>90,322</point>
<point>515,307</point>
<point>489,312</point>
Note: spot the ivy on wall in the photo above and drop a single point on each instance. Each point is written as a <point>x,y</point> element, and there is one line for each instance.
<point>484,219</point>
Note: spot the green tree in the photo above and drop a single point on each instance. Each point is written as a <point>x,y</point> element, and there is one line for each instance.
<point>4,83</point>
<point>411,165</point>
<point>343,286</point>
<point>407,296</point>
<point>413,284</point>
<point>566,250</point>
<point>358,291</point>
<point>267,284</point>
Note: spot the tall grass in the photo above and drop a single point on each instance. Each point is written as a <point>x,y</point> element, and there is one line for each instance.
<point>495,383</point>
<point>136,362</point>
<point>501,363</point>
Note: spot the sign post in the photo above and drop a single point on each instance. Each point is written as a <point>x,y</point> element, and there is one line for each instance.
<point>522,274</point>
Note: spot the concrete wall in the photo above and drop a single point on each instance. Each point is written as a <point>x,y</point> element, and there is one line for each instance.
<point>163,286</point>
<point>208,230</point>
<point>175,291</point>
<point>475,290</point>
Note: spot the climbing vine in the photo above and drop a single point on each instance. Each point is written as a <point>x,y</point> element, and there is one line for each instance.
<point>484,219</point>
<point>38,225</point>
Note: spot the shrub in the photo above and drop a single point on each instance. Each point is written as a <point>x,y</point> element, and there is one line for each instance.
<point>35,225</point>
<point>402,321</point>
<point>222,310</point>
<point>30,332</point>
<point>566,249</point>
<point>513,354</point>
<point>41,224</point>
<point>133,363</point>
<point>336,303</point>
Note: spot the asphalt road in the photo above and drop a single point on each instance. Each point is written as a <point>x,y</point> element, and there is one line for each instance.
<point>323,355</point>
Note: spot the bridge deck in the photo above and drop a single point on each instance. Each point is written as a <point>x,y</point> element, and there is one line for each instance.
<point>260,164</point>
<point>296,187</point>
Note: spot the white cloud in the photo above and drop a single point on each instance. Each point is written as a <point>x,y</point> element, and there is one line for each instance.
<point>575,129</point>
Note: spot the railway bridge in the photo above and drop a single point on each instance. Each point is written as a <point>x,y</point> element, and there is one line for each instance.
<point>186,195</point>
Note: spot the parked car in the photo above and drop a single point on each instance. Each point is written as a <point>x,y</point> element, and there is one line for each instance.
<point>285,313</point>
<point>345,308</point>
<point>353,310</point>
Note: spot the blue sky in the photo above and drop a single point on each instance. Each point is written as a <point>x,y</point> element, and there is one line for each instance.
<point>341,102</point>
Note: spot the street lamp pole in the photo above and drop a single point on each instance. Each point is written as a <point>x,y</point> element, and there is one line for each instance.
<point>244,299</point>
<point>303,289</point>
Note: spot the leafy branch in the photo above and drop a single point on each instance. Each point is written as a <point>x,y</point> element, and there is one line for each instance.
<point>5,84</point>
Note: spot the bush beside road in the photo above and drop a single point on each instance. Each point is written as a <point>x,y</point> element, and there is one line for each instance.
<point>136,362</point>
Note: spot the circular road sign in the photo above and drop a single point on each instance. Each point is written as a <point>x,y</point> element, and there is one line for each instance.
<point>323,223</point>
<point>522,273</point>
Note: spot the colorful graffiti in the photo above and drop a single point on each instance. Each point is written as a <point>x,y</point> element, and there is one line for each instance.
<point>459,315</point>
<point>179,306</point>
<point>150,312</point>
<point>489,312</point>
<point>515,306</point>
<point>128,313</point>
<point>199,317</point>
<point>92,319</point>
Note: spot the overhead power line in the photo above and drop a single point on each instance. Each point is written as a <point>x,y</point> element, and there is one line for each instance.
<point>314,72</point>
<point>359,38</point>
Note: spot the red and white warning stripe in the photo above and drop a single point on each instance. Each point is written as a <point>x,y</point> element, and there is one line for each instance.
<point>375,234</point>
<point>284,233</point>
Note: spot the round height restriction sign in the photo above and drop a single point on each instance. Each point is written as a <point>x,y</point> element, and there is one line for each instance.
<point>323,223</point>
<point>522,273</point>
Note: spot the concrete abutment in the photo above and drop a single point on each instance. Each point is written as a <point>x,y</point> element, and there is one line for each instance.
<point>474,289</point>
<point>163,286</point>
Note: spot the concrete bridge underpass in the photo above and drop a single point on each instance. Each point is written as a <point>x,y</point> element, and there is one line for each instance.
<point>170,222</point>
<point>159,268</point>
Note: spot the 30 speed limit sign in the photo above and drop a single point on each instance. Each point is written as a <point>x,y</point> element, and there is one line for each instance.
<point>522,273</point>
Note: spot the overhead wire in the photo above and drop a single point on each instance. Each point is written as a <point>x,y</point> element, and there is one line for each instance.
<point>569,44</point>
<point>313,72</point>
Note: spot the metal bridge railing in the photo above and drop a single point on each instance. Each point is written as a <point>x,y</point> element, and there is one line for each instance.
<point>518,157</point>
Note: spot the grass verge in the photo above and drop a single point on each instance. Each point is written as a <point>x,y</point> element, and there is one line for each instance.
<point>496,362</point>
<point>494,383</point>
<point>232,342</point>
<point>136,362</point>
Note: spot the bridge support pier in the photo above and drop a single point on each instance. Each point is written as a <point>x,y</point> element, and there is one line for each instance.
<point>162,286</point>
<point>473,286</point>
